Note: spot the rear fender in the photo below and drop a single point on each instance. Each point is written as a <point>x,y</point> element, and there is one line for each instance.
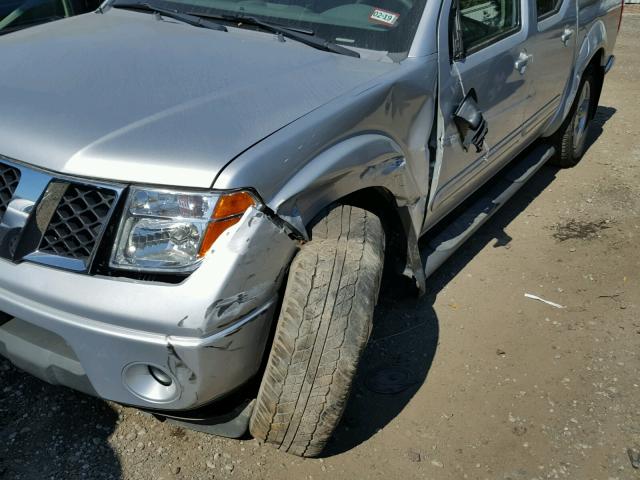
<point>594,41</point>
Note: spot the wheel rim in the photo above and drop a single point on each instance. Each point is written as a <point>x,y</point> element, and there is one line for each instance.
<point>581,121</point>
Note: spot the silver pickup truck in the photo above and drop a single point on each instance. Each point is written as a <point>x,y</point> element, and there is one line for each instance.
<point>198,198</point>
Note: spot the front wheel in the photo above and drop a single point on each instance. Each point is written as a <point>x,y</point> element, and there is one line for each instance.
<point>570,140</point>
<point>324,325</point>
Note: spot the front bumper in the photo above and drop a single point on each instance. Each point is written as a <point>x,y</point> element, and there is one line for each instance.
<point>208,332</point>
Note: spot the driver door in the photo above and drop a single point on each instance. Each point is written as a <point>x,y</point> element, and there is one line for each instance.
<point>492,63</point>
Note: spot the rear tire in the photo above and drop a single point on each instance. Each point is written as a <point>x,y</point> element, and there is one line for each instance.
<point>324,325</point>
<point>570,140</point>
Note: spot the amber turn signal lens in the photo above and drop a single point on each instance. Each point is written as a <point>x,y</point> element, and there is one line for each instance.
<point>228,212</point>
<point>233,204</point>
<point>214,230</point>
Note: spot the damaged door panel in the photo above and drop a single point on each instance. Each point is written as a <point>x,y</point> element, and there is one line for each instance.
<point>471,123</point>
<point>493,38</point>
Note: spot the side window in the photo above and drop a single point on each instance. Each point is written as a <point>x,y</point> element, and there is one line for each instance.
<point>547,7</point>
<point>486,21</point>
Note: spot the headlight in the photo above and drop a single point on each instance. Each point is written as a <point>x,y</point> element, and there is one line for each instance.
<point>164,230</point>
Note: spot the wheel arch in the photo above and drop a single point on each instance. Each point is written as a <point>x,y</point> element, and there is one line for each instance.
<point>401,253</point>
<point>370,171</point>
<point>598,62</point>
<point>591,54</point>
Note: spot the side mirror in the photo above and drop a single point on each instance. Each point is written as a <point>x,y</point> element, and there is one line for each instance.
<point>471,124</point>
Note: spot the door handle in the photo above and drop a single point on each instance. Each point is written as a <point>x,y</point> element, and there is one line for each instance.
<point>521,63</point>
<point>566,35</point>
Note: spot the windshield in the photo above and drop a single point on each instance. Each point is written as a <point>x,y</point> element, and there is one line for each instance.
<point>16,14</point>
<point>381,25</point>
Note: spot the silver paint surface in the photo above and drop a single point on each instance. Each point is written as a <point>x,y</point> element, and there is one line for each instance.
<point>110,323</point>
<point>123,96</point>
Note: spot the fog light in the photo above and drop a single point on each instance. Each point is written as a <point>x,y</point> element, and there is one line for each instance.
<point>161,377</point>
<point>150,383</point>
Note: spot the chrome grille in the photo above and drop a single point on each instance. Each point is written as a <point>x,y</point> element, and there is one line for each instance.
<point>9,179</point>
<point>53,219</point>
<point>78,222</point>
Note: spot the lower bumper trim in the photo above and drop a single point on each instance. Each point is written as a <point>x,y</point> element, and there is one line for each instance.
<point>43,354</point>
<point>233,424</point>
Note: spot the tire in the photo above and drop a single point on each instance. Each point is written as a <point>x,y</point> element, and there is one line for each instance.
<point>324,325</point>
<point>570,140</point>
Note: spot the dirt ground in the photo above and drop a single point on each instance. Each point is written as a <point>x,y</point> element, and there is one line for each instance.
<point>492,385</point>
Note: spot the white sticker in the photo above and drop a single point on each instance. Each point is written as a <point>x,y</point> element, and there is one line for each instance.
<point>384,17</point>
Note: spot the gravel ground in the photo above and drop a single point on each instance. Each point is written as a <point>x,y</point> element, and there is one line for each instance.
<point>492,385</point>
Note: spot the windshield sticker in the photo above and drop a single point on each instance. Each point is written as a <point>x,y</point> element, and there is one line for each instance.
<point>384,17</point>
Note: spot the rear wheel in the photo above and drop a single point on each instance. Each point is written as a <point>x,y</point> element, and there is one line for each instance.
<point>323,327</point>
<point>570,140</point>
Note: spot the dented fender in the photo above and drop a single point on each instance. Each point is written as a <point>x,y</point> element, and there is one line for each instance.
<point>377,136</point>
<point>369,160</point>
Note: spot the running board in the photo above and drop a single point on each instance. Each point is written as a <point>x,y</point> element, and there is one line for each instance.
<point>508,182</point>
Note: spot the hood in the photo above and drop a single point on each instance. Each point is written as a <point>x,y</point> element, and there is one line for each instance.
<point>128,97</point>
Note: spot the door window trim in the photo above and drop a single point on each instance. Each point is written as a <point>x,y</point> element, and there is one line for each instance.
<point>550,13</point>
<point>455,6</point>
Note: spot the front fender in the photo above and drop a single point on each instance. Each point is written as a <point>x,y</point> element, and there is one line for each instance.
<point>375,136</point>
<point>363,161</point>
